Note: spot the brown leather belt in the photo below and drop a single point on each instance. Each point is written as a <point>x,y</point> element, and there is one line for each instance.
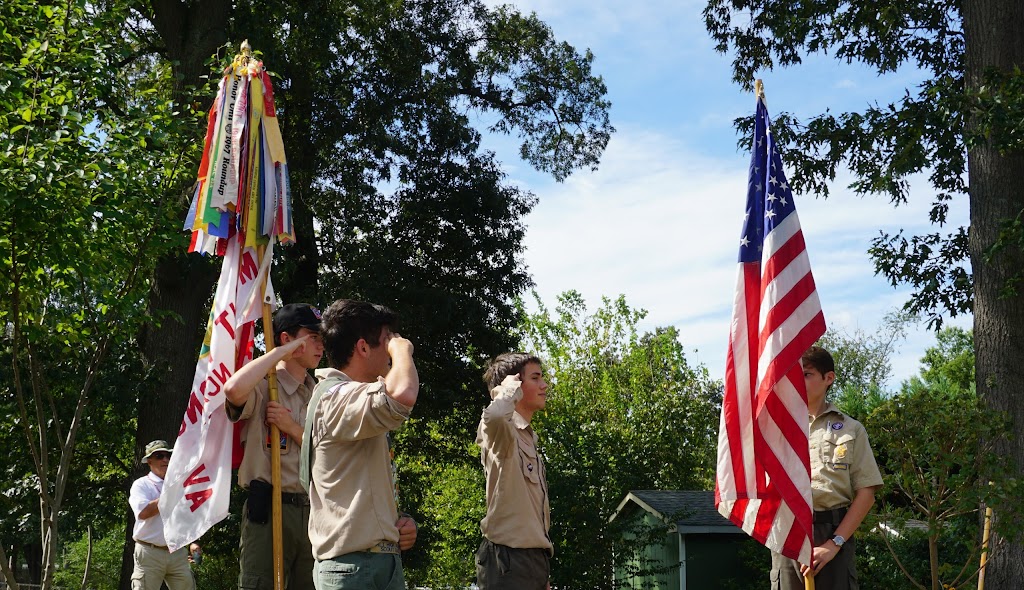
<point>147,544</point>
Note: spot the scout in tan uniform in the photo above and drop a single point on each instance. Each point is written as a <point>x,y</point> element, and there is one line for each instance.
<point>298,348</point>
<point>515,552</point>
<point>844,477</point>
<point>355,529</point>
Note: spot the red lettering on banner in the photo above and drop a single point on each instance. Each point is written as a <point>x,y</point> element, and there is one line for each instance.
<point>247,268</point>
<point>222,321</point>
<point>198,498</point>
<point>194,409</point>
<point>195,478</point>
<point>222,378</point>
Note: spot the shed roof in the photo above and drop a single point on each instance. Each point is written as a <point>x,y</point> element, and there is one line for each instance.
<point>687,509</point>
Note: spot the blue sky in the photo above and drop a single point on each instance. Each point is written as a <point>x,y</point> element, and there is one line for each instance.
<point>659,221</point>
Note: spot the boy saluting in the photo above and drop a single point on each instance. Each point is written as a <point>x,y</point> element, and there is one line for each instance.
<point>515,552</point>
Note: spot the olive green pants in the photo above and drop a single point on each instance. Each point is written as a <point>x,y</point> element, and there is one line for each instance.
<point>256,559</point>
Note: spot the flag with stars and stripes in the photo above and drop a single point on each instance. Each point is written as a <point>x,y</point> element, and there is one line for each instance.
<point>763,482</point>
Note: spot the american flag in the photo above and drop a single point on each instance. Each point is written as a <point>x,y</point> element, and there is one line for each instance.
<point>763,482</point>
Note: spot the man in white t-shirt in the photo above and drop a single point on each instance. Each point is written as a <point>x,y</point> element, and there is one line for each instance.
<point>154,564</point>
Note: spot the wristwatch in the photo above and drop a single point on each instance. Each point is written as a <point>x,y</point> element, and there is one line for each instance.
<point>839,541</point>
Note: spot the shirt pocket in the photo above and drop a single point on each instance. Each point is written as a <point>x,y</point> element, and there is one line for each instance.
<point>837,450</point>
<point>529,461</point>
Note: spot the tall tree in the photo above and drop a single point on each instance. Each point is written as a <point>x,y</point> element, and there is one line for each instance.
<point>394,200</point>
<point>86,166</point>
<point>961,127</point>
<point>377,103</point>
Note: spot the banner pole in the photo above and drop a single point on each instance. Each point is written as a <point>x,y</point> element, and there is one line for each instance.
<point>985,547</point>
<point>275,437</point>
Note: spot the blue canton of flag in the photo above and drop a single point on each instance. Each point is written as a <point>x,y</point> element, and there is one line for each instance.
<point>769,198</point>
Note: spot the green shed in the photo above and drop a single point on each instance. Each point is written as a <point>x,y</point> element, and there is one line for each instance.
<point>700,550</point>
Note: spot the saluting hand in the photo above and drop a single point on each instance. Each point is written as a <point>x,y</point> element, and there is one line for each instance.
<point>295,347</point>
<point>398,345</point>
<point>512,381</point>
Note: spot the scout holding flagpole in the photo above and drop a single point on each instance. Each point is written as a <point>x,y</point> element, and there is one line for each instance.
<point>240,208</point>
<point>763,481</point>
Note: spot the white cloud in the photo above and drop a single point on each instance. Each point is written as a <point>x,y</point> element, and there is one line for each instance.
<point>659,222</point>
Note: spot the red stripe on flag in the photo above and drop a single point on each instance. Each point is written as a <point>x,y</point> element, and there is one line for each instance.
<point>782,258</point>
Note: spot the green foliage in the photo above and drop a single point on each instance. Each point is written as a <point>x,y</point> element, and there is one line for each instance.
<point>88,165</point>
<point>104,562</point>
<point>624,411</point>
<point>442,483</point>
<point>876,563</point>
<point>952,359</point>
<point>926,131</point>
<point>935,443</point>
<point>864,364</point>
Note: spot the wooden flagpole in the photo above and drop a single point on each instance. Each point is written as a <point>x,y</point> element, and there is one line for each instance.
<point>985,547</point>
<point>275,437</point>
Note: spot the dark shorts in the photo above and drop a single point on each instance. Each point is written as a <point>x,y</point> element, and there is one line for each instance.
<point>499,567</point>
<point>838,574</point>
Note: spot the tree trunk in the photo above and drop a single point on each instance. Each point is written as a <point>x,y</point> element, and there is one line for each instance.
<point>992,40</point>
<point>933,561</point>
<point>298,280</point>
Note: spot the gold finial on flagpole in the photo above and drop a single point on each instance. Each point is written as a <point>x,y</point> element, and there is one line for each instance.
<point>243,59</point>
<point>759,89</point>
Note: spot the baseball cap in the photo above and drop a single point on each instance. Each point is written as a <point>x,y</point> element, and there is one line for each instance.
<point>296,315</point>
<point>155,446</point>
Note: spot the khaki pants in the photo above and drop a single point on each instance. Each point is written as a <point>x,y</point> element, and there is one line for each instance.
<point>154,566</point>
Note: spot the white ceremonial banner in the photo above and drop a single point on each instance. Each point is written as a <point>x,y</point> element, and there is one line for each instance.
<point>198,483</point>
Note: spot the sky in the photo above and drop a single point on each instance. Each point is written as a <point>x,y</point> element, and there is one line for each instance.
<point>659,220</point>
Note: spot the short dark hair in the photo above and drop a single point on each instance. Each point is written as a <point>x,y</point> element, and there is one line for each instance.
<point>819,359</point>
<point>293,332</point>
<point>347,321</point>
<point>506,364</point>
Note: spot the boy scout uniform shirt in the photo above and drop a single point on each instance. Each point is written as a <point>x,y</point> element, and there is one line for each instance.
<point>518,514</point>
<point>351,492</point>
<point>841,459</point>
<point>256,460</point>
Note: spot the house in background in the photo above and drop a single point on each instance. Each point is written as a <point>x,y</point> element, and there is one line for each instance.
<point>688,545</point>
